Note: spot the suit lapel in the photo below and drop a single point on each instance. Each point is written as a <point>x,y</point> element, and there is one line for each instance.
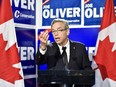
<point>72,54</point>
<point>56,50</point>
<point>59,60</point>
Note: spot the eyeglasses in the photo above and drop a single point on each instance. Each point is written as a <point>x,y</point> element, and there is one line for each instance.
<point>58,31</point>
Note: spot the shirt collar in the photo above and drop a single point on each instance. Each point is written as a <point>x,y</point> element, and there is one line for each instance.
<point>67,45</point>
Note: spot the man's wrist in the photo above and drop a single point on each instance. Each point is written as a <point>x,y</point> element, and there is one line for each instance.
<point>43,49</point>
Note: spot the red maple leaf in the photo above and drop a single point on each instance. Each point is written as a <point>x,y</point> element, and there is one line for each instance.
<point>106,59</point>
<point>7,59</point>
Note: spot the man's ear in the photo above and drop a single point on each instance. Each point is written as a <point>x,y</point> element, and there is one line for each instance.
<point>68,32</point>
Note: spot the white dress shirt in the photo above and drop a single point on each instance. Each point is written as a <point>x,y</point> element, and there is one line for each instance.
<point>60,48</point>
<point>67,49</point>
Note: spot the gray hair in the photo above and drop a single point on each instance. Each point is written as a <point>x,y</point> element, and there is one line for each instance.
<point>61,20</point>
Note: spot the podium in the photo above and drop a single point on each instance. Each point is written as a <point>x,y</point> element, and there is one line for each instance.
<point>77,77</point>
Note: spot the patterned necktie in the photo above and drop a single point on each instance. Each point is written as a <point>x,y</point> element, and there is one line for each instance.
<point>64,55</point>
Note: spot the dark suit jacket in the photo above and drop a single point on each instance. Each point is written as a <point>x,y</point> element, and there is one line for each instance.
<point>78,57</point>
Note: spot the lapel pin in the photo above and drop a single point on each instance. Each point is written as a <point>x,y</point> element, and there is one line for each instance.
<point>73,47</point>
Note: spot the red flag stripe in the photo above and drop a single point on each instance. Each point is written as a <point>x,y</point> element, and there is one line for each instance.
<point>109,15</point>
<point>5,11</point>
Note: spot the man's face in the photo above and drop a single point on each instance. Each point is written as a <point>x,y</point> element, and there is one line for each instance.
<point>60,34</point>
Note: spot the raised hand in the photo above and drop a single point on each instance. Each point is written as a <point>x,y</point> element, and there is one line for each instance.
<point>43,39</point>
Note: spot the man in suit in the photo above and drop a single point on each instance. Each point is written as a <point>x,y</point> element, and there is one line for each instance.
<point>51,54</point>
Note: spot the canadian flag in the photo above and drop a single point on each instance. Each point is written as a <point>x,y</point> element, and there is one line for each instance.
<point>105,54</point>
<point>11,74</point>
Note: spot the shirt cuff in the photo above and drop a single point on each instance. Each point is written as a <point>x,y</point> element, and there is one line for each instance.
<point>42,51</point>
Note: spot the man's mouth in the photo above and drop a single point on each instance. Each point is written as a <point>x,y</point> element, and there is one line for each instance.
<point>57,38</point>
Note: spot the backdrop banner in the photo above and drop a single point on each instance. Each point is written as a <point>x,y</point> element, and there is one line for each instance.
<point>26,44</point>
